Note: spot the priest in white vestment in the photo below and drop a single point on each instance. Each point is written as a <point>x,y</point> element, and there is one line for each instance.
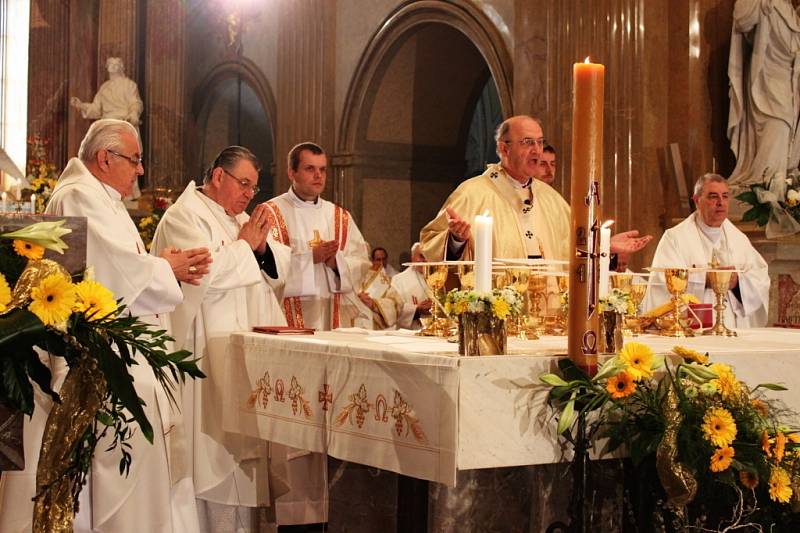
<point>329,256</point>
<point>707,236</point>
<point>380,297</point>
<point>413,292</point>
<point>228,470</point>
<point>152,497</point>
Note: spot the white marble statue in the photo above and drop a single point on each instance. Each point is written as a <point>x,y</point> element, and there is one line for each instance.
<point>764,91</point>
<point>117,98</point>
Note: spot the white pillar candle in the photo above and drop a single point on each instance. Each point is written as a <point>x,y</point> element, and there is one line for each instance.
<point>605,257</point>
<point>33,204</point>
<point>5,201</point>
<point>18,189</point>
<point>483,253</point>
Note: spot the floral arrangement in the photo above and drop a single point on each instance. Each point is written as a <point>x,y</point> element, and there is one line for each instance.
<point>43,307</point>
<point>501,303</point>
<point>147,225</point>
<point>702,430</point>
<point>42,174</point>
<point>618,301</point>
<point>773,199</point>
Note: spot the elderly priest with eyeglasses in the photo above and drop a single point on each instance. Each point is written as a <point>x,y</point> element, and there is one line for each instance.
<point>231,473</point>
<point>531,219</point>
<point>153,496</point>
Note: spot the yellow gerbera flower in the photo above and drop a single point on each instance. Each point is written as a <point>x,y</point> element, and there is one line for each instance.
<point>621,385</point>
<point>721,459</point>
<point>765,444</point>
<point>780,446</point>
<point>5,293</point>
<point>727,384</point>
<point>719,427</point>
<point>794,438</point>
<point>639,358</point>
<point>94,300</point>
<point>780,489</point>
<point>748,479</point>
<point>690,355</point>
<point>28,249</point>
<point>53,299</point>
<point>500,309</point>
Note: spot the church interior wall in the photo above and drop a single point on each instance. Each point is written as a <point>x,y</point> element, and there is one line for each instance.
<point>666,82</point>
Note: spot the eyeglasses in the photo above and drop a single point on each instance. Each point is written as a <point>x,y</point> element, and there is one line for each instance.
<point>244,184</point>
<point>135,161</point>
<point>528,142</point>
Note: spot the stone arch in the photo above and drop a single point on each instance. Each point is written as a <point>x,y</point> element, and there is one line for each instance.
<point>249,73</point>
<point>464,17</point>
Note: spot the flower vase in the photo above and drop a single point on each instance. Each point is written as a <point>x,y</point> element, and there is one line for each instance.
<point>481,334</point>
<point>611,337</point>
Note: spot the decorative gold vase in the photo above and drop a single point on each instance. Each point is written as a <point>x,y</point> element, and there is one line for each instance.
<point>481,334</point>
<point>611,337</point>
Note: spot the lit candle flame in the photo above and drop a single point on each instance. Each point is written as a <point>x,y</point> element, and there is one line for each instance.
<point>587,60</point>
<point>607,224</point>
<point>486,213</point>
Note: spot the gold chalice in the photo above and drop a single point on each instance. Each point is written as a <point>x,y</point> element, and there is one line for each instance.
<point>637,292</point>
<point>720,282</point>
<point>519,280</point>
<point>622,281</point>
<point>466,275</point>
<point>677,280</point>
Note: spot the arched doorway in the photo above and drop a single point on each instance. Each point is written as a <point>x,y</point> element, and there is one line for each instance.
<point>233,105</point>
<point>423,86</point>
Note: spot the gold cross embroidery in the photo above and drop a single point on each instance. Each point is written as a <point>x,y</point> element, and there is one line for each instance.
<point>316,241</point>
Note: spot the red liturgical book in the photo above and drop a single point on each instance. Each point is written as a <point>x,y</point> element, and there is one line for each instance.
<point>283,330</point>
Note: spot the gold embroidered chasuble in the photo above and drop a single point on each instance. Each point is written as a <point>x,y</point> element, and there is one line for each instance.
<point>549,218</point>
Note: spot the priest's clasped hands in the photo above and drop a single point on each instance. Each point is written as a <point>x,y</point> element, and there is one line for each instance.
<point>190,265</point>
<point>255,230</point>
<point>325,252</point>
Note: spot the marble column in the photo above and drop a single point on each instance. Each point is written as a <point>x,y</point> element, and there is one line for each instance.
<point>81,72</point>
<point>164,98</point>
<point>305,87</point>
<point>48,88</point>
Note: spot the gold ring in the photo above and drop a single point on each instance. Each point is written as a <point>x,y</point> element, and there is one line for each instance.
<point>192,269</point>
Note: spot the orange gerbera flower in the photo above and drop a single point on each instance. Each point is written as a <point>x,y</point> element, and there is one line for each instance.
<point>765,444</point>
<point>722,458</point>
<point>621,385</point>
<point>28,250</point>
<point>780,446</point>
<point>748,479</point>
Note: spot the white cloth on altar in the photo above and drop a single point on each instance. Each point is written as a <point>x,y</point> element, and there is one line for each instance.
<point>316,284</point>
<point>234,296</point>
<point>150,498</point>
<point>691,244</point>
<point>412,289</point>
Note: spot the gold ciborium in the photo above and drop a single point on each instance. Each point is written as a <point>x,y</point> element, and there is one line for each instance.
<point>536,300</point>
<point>518,278</point>
<point>720,281</point>
<point>436,277</point>
<point>677,280</point>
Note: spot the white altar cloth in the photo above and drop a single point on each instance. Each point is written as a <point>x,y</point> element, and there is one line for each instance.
<point>411,405</point>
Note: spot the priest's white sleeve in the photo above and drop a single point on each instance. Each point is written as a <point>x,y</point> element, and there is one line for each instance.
<point>352,262</point>
<point>301,276</point>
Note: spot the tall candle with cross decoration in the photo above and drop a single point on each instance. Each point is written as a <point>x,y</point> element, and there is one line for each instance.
<point>587,176</point>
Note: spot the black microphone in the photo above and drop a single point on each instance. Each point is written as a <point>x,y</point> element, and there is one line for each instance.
<point>527,202</point>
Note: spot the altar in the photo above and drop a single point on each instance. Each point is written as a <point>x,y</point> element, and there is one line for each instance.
<point>410,405</point>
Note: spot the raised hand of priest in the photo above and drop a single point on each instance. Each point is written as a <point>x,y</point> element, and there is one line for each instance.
<point>628,242</point>
<point>190,265</point>
<point>458,227</point>
<point>324,251</point>
<point>424,306</point>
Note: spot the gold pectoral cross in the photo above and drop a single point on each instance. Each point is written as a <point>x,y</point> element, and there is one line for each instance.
<point>316,241</point>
